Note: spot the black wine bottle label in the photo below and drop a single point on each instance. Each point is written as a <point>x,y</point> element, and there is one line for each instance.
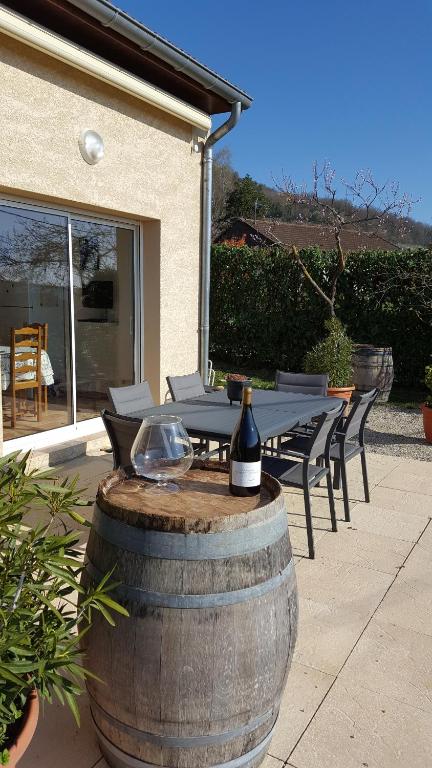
<point>245,474</point>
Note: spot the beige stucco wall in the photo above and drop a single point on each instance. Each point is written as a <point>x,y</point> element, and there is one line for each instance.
<point>149,173</point>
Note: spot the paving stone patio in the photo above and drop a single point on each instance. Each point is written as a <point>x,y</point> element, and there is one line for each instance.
<point>359,694</point>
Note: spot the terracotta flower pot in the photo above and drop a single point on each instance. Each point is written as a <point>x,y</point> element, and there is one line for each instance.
<point>427,421</point>
<point>28,727</point>
<point>343,392</point>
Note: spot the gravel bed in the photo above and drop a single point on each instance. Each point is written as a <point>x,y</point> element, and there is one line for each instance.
<point>398,432</point>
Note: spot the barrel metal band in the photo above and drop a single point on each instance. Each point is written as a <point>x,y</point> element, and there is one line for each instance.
<point>182,742</point>
<point>169,600</point>
<point>132,762</point>
<point>190,546</point>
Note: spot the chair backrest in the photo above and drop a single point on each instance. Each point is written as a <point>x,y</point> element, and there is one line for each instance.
<point>184,387</point>
<point>127,400</point>
<point>25,357</point>
<point>355,422</point>
<point>44,327</point>
<point>122,431</point>
<point>302,383</point>
<point>324,430</point>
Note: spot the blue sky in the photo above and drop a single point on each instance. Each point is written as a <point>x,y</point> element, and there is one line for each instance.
<point>347,82</point>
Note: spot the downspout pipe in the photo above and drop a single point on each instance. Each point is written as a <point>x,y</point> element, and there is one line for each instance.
<point>206,220</point>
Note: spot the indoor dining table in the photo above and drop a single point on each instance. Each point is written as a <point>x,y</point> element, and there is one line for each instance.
<point>211,416</point>
<point>47,373</point>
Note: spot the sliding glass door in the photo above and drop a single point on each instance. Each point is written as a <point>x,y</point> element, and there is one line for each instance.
<point>75,278</point>
<point>103,269</point>
<point>35,288</point>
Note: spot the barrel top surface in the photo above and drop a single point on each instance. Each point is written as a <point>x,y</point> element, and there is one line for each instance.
<point>203,503</point>
<point>370,349</point>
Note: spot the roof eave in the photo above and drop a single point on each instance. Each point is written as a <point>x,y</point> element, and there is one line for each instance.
<point>131,29</point>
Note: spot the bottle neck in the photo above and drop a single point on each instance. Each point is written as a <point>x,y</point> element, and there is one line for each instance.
<point>247,396</point>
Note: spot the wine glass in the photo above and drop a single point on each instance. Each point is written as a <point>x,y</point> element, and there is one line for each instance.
<point>162,451</point>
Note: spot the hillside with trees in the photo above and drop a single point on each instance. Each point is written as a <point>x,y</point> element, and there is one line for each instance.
<point>236,196</point>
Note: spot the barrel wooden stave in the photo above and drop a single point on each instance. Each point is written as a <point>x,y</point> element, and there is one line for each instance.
<point>221,699</point>
<point>204,672</point>
<point>189,576</point>
<point>373,367</point>
<point>252,756</point>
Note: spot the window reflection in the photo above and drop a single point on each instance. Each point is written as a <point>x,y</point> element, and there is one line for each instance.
<point>34,289</point>
<point>102,257</point>
<point>35,293</point>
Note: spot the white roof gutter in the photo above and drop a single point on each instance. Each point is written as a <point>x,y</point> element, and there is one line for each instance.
<point>114,18</point>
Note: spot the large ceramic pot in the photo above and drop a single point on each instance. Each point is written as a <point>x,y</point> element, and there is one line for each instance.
<point>427,421</point>
<point>28,727</point>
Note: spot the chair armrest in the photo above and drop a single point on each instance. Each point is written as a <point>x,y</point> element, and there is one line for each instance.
<point>213,452</point>
<point>293,454</point>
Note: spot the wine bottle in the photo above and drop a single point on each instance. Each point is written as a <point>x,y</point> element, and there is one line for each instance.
<point>245,453</point>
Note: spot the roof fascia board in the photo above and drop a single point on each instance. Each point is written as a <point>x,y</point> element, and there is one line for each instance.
<point>111,17</point>
<point>31,34</point>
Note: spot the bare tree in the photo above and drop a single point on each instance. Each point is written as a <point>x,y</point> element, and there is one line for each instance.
<point>367,206</point>
<point>224,178</point>
<point>36,250</point>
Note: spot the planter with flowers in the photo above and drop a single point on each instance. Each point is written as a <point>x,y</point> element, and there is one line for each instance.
<point>40,626</point>
<point>427,406</point>
<point>235,383</point>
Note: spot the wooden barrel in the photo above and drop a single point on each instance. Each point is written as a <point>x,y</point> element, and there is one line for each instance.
<point>373,367</point>
<point>194,677</point>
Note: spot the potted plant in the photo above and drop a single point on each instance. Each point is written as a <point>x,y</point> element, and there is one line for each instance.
<point>333,355</point>
<point>427,406</point>
<point>235,383</point>
<point>40,626</point>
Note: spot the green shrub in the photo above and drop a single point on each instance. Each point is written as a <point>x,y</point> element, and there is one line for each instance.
<point>40,626</point>
<point>265,314</point>
<point>428,382</point>
<point>332,355</point>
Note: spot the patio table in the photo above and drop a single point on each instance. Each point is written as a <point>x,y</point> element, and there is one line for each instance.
<point>46,367</point>
<point>211,416</point>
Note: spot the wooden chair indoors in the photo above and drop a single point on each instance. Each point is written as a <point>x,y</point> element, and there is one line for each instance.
<point>25,359</point>
<point>44,327</point>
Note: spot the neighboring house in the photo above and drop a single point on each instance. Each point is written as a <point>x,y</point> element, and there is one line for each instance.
<point>267,232</point>
<point>100,234</point>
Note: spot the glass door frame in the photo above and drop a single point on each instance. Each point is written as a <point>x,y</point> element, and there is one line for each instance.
<point>93,425</point>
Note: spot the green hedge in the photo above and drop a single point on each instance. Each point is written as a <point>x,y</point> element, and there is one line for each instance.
<point>265,314</point>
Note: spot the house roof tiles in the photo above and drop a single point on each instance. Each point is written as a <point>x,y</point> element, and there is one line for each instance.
<point>307,235</point>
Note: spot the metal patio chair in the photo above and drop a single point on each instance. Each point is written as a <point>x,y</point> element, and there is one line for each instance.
<point>129,400</point>
<point>186,387</point>
<point>304,473</point>
<point>348,443</point>
<point>301,383</point>
<point>122,431</point>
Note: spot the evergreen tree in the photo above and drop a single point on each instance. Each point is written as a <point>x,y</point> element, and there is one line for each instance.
<point>247,200</point>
